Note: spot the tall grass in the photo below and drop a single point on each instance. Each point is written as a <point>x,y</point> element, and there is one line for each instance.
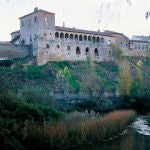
<point>75,131</point>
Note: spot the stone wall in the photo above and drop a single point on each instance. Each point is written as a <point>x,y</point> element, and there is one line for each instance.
<point>8,50</point>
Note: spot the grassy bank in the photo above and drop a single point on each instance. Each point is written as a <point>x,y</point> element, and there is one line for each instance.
<point>77,129</point>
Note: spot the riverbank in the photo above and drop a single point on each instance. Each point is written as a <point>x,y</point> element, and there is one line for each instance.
<point>77,129</point>
<point>30,125</point>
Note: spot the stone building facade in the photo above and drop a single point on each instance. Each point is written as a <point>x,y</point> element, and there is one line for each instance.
<point>50,42</point>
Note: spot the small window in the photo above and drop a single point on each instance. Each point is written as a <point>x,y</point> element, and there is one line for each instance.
<point>58,46</point>
<point>45,34</point>
<point>30,38</point>
<point>110,52</point>
<point>121,43</point>
<point>78,51</point>
<point>68,48</point>
<point>47,45</point>
<point>46,19</point>
<point>109,42</point>
<point>35,19</point>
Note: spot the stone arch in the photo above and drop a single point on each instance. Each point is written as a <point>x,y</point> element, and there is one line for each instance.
<point>87,51</point>
<point>78,52</point>
<point>94,39</point>
<point>71,36</point>
<point>85,38</point>
<point>47,45</point>
<point>98,39</point>
<point>56,35</point>
<point>76,37</point>
<point>66,36</point>
<point>96,52</point>
<point>89,38</point>
<point>80,37</point>
<point>61,35</point>
<point>102,40</point>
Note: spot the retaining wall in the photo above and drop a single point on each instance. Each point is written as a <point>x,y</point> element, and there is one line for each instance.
<point>9,50</point>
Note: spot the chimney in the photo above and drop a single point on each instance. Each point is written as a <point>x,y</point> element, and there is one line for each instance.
<point>35,9</point>
<point>63,24</point>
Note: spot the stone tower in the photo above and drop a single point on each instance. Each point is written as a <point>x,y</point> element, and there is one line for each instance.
<point>36,29</point>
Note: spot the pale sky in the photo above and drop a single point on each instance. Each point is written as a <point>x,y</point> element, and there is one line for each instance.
<point>126,16</point>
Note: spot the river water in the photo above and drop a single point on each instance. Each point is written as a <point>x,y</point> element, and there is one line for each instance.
<point>137,138</point>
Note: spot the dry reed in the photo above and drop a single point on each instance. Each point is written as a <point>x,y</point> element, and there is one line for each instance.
<point>78,130</point>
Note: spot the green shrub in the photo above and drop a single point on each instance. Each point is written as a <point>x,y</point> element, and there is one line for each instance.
<point>19,109</point>
<point>38,95</point>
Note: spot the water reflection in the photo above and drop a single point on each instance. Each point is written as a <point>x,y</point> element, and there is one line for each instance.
<point>138,138</point>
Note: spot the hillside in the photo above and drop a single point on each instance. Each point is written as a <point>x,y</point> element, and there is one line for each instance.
<point>92,78</point>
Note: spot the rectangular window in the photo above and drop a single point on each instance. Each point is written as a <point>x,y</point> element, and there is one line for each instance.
<point>35,19</point>
<point>68,48</point>
<point>30,38</point>
<point>46,19</point>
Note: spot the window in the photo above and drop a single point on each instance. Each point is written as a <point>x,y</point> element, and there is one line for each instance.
<point>45,34</point>
<point>85,38</point>
<point>68,48</point>
<point>66,36</point>
<point>109,42</point>
<point>47,45</point>
<point>46,19</point>
<point>98,39</point>
<point>89,38</point>
<point>71,36</point>
<point>61,35</point>
<point>87,51</point>
<point>78,51</point>
<point>57,35</point>
<point>58,46</point>
<point>35,19</point>
<point>96,52</point>
<point>135,46</point>
<point>80,37</point>
<point>76,37</point>
<point>93,39</point>
<point>110,52</point>
<point>30,38</point>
